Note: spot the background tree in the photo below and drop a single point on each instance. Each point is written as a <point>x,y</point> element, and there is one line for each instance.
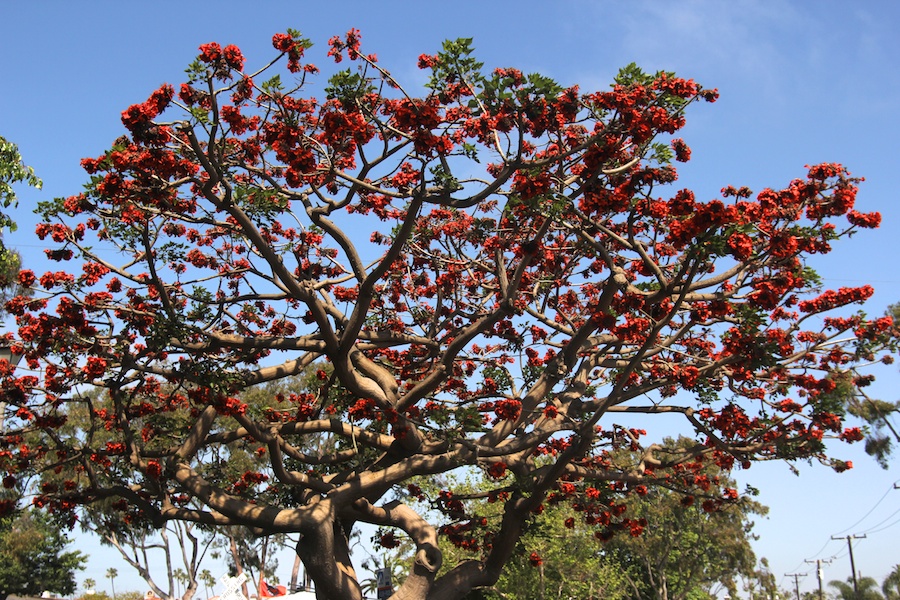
<point>12,171</point>
<point>866,589</point>
<point>208,581</point>
<point>181,578</point>
<point>33,556</point>
<point>90,585</point>
<point>111,574</point>
<point>155,551</point>
<point>890,587</point>
<point>560,559</point>
<point>151,552</point>
<point>762,584</point>
<point>682,549</point>
<point>527,283</point>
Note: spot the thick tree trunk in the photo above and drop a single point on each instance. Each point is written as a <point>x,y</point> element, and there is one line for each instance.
<point>326,556</point>
<point>421,577</point>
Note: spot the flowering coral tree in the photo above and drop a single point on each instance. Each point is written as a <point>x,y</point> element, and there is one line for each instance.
<point>490,276</point>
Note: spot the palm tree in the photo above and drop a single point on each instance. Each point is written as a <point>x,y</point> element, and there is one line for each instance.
<point>208,580</point>
<point>181,577</point>
<point>111,574</point>
<point>867,589</point>
<point>891,585</point>
<point>90,586</point>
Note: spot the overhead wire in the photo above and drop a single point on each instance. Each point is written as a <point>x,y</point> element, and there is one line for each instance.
<point>873,529</point>
<point>886,526</point>
<point>863,518</point>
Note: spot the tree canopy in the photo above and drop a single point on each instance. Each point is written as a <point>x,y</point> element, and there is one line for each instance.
<point>498,274</point>
<point>685,551</point>
<point>864,588</point>
<point>12,171</point>
<point>33,556</point>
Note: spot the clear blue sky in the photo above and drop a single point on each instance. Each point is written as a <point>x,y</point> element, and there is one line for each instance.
<point>801,82</point>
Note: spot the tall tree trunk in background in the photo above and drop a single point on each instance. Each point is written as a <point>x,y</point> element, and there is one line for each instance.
<point>295,571</point>
<point>238,565</point>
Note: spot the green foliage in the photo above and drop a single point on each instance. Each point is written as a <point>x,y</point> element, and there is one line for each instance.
<point>273,86</point>
<point>33,556</point>
<point>572,564</point>
<point>891,584</point>
<point>685,550</point>
<point>12,171</point>
<point>298,38</point>
<point>455,63</point>
<point>866,589</point>
<point>101,595</point>
<point>10,262</point>
<point>348,87</point>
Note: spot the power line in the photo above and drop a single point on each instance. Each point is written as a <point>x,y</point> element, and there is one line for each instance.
<point>850,539</point>
<point>863,518</point>
<point>820,575</point>
<point>796,577</point>
<point>885,527</point>
<point>836,536</point>
<point>889,517</point>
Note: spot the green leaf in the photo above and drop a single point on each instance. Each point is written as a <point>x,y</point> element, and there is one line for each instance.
<point>273,86</point>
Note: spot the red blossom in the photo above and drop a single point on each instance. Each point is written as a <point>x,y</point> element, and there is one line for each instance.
<point>233,57</point>
<point>497,470</point>
<point>210,52</point>
<point>427,61</point>
<point>282,42</point>
<point>682,151</point>
<point>852,434</point>
<point>26,278</point>
<point>94,368</point>
<point>388,540</point>
<point>508,410</point>
<point>153,469</point>
<point>865,220</point>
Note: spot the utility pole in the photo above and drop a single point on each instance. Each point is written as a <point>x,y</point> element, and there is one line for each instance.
<point>796,577</point>
<point>819,574</point>
<point>850,539</point>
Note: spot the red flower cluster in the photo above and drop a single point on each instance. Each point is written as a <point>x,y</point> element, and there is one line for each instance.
<point>137,118</point>
<point>350,43</point>
<point>682,151</point>
<point>508,410</point>
<point>831,299</point>
<point>388,540</point>
<point>222,61</point>
<point>497,470</point>
<point>153,469</point>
